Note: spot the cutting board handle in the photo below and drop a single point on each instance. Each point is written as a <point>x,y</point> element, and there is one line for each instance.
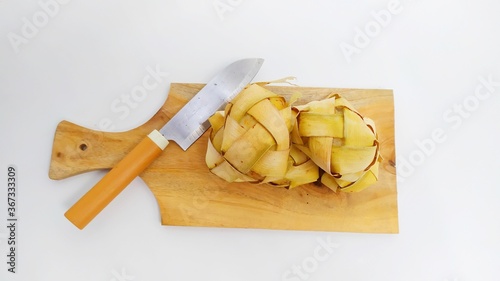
<point>77,149</point>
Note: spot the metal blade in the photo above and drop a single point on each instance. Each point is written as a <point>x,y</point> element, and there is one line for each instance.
<point>191,121</point>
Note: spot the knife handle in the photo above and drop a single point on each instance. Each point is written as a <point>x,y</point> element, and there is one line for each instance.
<point>99,196</point>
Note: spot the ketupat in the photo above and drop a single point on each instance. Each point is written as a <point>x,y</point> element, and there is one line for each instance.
<point>250,142</point>
<point>340,141</point>
<point>260,138</point>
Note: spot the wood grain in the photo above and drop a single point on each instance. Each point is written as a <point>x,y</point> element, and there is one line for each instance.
<point>189,195</point>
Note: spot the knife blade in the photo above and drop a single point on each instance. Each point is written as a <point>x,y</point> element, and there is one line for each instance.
<point>184,128</point>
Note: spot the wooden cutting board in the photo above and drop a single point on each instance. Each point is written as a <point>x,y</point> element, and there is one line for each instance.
<point>189,195</point>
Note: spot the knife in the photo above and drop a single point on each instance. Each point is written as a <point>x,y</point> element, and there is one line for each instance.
<point>184,128</point>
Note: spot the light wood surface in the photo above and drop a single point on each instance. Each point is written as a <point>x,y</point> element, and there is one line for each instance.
<point>189,195</point>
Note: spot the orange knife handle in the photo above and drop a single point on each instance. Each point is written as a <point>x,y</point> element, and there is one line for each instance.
<point>99,196</point>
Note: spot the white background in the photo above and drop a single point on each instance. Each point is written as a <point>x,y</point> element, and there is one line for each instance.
<point>85,55</point>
